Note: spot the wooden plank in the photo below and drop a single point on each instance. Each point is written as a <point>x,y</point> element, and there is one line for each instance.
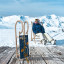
<point>32,53</point>
<point>35,57</point>
<point>61,49</point>
<point>13,59</point>
<point>38,52</point>
<point>55,56</point>
<point>7,56</point>
<point>17,62</point>
<point>58,52</point>
<point>46,56</point>
<point>2,49</point>
<point>3,54</point>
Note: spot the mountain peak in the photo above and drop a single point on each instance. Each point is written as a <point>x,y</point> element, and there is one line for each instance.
<point>53,16</point>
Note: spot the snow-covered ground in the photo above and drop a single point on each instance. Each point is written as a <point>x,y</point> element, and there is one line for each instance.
<point>53,25</point>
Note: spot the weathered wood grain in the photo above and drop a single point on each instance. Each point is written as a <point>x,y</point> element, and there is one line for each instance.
<point>58,52</point>
<point>6,55</point>
<point>38,55</point>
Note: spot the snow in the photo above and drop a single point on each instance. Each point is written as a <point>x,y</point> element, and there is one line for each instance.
<point>53,26</point>
<point>10,19</point>
<point>7,37</point>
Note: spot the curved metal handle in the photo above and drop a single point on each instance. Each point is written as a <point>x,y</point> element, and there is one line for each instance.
<point>17,36</point>
<point>27,27</point>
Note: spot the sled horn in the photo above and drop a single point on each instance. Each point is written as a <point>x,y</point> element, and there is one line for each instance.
<point>17,36</point>
<point>27,27</point>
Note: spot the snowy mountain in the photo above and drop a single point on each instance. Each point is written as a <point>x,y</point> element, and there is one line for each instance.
<point>49,21</point>
<point>9,21</point>
<point>53,26</point>
<point>0,18</point>
<point>53,21</point>
<point>24,18</point>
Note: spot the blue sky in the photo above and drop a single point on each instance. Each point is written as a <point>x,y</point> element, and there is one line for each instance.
<point>31,7</point>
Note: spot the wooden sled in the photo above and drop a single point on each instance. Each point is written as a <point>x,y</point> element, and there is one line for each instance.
<point>23,41</point>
